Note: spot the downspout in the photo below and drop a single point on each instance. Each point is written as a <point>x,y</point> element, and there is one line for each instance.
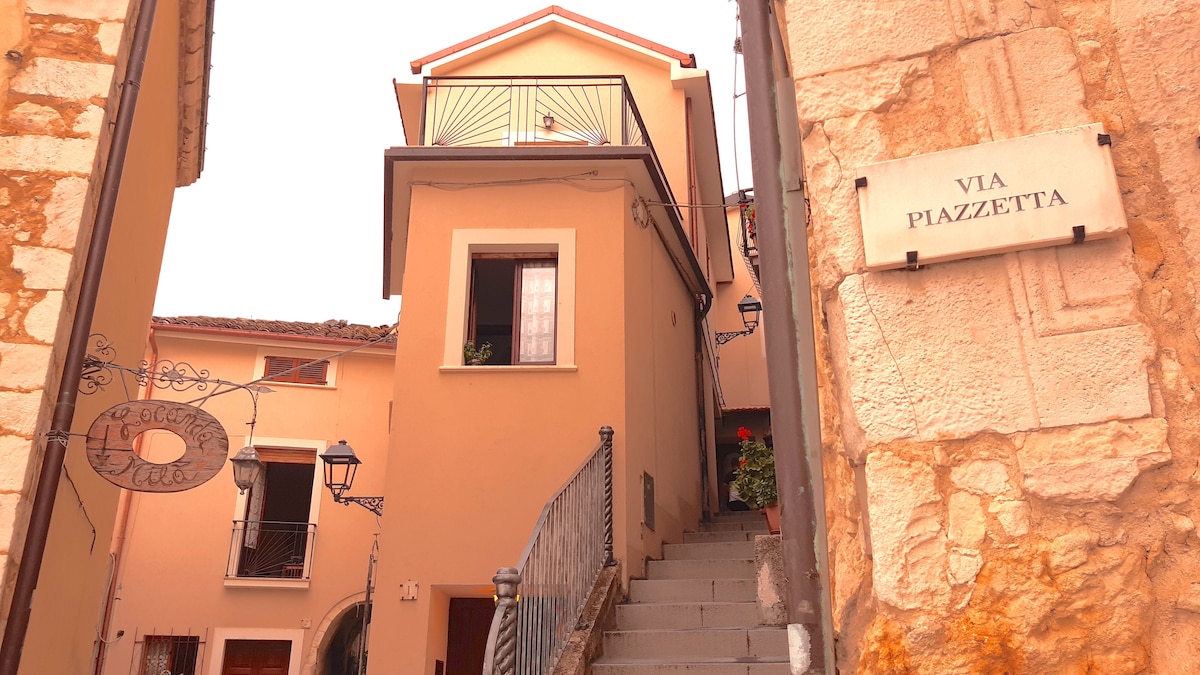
<point>789,335</point>
<point>117,549</point>
<point>68,391</point>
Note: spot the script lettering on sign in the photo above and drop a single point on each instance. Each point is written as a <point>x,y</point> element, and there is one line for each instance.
<point>110,446</point>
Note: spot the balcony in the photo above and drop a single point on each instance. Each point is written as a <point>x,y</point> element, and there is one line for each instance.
<point>527,111</point>
<point>262,549</point>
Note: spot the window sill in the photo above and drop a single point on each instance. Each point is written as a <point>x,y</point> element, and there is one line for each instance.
<point>508,369</point>
<point>292,584</point>
<point>298,385</point>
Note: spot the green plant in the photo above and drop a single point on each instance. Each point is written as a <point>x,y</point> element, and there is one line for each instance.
<point>755,482</point>
<point>476,357</point>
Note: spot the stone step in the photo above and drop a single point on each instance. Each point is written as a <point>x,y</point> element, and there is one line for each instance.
<point>708,537</point>
<point>645,616</point>
<point>731,516</point>
<point>758,525</point>
<point>736,550</point>
<point>698,644</point>
<point>657,667</point>
<point>700,569</point>
<point>691,590</point>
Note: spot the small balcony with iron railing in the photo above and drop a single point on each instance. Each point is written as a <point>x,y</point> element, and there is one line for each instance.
<point>261,549</point>
<point>529,111</point>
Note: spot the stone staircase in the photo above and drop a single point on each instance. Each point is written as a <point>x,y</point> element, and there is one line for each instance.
<point>696,612</point>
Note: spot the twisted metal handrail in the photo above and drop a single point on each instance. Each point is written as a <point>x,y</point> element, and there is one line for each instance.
<point>539,601</point>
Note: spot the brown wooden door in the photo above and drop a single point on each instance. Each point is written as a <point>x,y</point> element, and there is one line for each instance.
<point>466,640</point>
<point>257,657</point>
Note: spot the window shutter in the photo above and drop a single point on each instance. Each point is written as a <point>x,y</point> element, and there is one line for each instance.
<point>312,373</point>
<point>296,369</point>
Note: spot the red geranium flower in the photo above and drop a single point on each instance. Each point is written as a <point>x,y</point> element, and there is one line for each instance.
<point>745,434</point>
<point>741,463</point>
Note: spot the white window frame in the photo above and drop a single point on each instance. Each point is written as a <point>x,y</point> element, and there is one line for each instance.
<point>466,242</point>
<point>314,512</point>
<point>223,635</point>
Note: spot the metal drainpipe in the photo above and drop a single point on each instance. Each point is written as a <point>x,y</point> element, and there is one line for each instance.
<point>68,391</point>
<point>789,334</point>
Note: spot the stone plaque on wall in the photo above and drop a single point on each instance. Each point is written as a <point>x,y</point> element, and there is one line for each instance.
<point>1028,192</point>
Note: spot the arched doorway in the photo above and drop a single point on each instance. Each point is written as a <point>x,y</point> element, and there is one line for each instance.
<point>345,653</point>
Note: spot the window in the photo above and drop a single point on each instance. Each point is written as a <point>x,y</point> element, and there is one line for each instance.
<point>514,299</point>
<point>469,248</point>
<point>296,369</point>
<point>174,654</point>
<point>275,538</point>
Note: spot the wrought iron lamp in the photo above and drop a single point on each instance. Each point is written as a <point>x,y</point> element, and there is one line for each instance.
<point>247,466</point>
<point>548,121</point>
<point>340,466</point>
<point>751,309</point>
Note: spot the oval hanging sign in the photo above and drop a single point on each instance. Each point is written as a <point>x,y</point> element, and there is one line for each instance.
<point>110,446</point>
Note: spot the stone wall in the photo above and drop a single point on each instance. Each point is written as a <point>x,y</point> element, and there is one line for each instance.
<point>56,77</point>
<point>1011,440</point>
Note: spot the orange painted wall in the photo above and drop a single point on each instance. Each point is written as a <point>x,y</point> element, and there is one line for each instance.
<point>177,546</point>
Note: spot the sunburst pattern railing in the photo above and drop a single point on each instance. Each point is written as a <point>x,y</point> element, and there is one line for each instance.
<point>515,111</point>
<point>267,549</point>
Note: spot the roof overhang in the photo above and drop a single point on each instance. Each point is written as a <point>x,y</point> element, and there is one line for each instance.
<point>195,61</point>
<point>696,86</point>
<point>480,45</point>
<point>404,166</point>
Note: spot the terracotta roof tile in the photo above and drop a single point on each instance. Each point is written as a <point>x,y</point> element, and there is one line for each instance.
<point>335,329</point>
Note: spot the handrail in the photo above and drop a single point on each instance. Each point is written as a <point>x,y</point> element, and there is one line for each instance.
<point>539,602</point>
<point>491,110</point>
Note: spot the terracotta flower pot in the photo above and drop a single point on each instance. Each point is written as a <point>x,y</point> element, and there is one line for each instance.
<point>771,511</point>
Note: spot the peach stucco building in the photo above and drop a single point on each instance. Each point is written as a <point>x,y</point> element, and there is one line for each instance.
<point>531,210</point>
<point>276,576</point>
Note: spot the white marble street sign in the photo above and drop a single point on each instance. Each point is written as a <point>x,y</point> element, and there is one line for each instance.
<point>1028,192</point>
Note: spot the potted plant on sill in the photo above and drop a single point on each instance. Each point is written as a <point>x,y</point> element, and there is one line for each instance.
<point>755,482</point>
<point>476,357</point>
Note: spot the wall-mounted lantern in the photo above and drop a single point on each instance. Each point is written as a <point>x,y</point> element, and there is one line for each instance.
<point>548,121</point>
<point>751,309</point>
<point>341,464</point>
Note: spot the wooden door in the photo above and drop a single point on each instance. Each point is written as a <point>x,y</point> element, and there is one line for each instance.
<point>257,657</point>
<point>466,640</point>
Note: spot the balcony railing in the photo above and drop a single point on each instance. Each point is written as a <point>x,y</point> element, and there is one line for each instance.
<point>263,549</point>
<point>540,600</point>
<point>524,111</point>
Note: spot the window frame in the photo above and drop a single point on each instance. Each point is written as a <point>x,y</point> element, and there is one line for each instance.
<point>506,242</point>
<point>297,365</point>
<point>518,279</point>
<point>260,366</point>
<point>174,642</point>
<point>241,502</point>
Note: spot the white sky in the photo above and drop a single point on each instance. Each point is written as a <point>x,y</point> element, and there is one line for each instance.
<point>286,220</point>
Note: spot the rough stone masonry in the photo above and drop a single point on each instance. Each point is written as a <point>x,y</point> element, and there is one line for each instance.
<point>1011,441</point>
<point>57,62</point>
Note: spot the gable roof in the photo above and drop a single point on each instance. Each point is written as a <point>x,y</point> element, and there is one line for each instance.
<point>556,13</point>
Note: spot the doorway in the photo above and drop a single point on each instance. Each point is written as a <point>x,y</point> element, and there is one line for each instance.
<point>466,638</point>
<point>256,657</point>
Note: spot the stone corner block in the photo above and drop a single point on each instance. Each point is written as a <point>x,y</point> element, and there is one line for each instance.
<point>1093,463</point>
<point>771,582</point>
